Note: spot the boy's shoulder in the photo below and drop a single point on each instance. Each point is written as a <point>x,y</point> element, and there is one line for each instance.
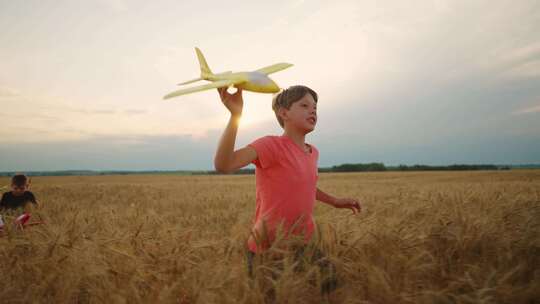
<point>266,139</point>
<point>6,198</point>
<point>269,137</point>
<point>9,194</point>
<point>29,193</point>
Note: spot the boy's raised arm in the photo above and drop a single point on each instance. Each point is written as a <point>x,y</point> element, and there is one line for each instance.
<point>227,160</point>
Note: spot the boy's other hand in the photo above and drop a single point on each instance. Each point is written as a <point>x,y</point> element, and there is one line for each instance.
<point>233,102</point>
<point>348,203</point>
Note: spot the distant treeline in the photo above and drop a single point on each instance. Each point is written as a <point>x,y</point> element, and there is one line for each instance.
<point>96,172</point>
<point>367,167</point>
<point>237,172</point>
<point>374,167</point>
<point>370,167</point>
<point>377,167</point>
<point>449,168</point>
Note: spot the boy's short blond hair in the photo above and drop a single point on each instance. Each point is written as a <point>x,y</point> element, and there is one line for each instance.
<point>287,97</point>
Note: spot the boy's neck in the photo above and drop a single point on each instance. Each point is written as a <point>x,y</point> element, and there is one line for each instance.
<point>17,193</point>
<point>298,138</point>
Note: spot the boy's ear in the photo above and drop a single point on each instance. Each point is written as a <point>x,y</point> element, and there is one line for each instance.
<point>282,112</point>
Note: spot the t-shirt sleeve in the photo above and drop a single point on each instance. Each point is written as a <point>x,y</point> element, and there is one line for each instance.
<point>3,200</point>
<point>266,152</point>
<point>31,197</point>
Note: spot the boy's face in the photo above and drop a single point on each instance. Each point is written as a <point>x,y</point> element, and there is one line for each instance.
<point>302,115</point>
<point>18,190</point>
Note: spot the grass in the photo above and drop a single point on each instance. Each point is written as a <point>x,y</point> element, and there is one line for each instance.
<point>426,237</point>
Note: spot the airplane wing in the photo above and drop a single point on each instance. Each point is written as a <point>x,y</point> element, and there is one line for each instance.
<point>274,68</point>
<point>190,81</point>
<point>213,85</point>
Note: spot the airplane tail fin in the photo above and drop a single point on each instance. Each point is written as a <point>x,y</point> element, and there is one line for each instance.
<point>205,70</point>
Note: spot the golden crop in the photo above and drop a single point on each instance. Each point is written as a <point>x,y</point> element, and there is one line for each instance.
<point>425,237</point>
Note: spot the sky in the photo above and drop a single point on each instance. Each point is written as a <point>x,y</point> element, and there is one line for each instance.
<point>399,82</point>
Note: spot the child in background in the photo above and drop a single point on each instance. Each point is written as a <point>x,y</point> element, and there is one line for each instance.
<point>19,197</point>
<point>286,169</point>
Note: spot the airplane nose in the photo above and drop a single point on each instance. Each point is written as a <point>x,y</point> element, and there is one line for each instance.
<point>275,88</point>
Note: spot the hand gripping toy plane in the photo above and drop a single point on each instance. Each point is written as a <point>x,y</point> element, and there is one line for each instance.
<point>256,81</point>
<point>22,221</point>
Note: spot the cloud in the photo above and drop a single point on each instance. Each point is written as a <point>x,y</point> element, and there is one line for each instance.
<point>395,79</point>
<point>140,152</point>
<point>528,110</point>
<point>134,112</point>
<point>7,92</point>
<point>88,111</point>
<point>50,119</point>
<point>185,152</point>
<point>118,6</point>
<point>528,69</point>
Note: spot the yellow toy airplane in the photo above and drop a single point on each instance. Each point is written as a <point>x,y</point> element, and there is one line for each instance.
<point>256,81</point>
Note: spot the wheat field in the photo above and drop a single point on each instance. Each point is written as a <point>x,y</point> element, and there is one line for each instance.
<point>424,237</point>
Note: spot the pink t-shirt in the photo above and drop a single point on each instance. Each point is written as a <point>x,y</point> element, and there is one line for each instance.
<point>286,183</point>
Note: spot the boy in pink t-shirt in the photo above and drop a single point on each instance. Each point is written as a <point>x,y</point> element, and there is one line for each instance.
<point>286,167</point>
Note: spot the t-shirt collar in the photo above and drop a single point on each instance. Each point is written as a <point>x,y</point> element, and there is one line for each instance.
<point>300,149</point>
